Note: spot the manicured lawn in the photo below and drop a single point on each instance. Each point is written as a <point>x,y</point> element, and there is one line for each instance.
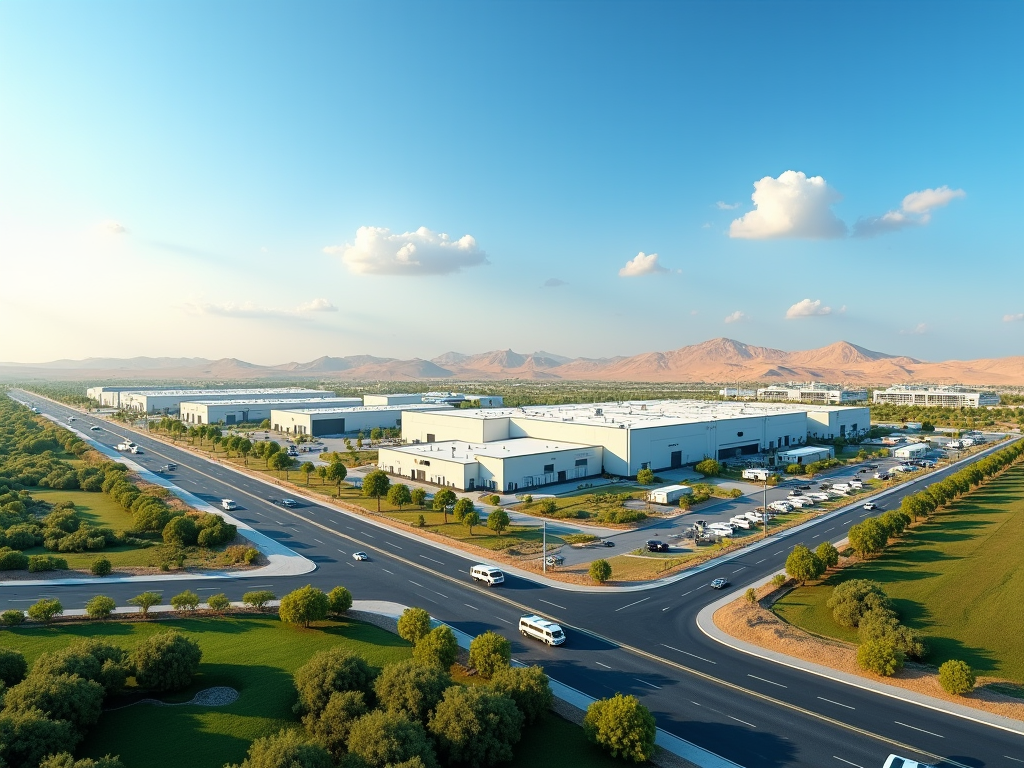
<point>97,508</point>
<point>958,579</point>
<point>257,656</point>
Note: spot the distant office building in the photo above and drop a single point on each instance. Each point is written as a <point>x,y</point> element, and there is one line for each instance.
<point>926,395</point>
<point>737,392</point>
<point>168,401</point>
<point>812,393</point>
<point>324,422</point>
<point>253,410</point>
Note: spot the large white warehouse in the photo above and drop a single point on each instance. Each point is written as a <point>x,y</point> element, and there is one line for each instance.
<point>949,397</point>
<point>169,400</point>
<point>111,396</point>
<point>254,410</point>
<point>342,421</point>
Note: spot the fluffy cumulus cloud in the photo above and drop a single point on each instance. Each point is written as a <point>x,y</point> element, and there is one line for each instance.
<point>808,308</point>
<point>915,211</point>
<point>554,282</point>
<point>642,264</point>
<point>379,251</point>
<point>736,317</point>
<point>248,309</point>
<point>1014,318</point>
<point>723,206</point>
<point>792,206</point>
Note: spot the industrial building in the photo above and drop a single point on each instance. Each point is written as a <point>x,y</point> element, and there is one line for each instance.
<point>254,410</point>
<point>911,451</point>
<point>927,395</point>
<point>407,399</point>
<point>440,398</point>
<point>824,394</point>
<point>805,455</point>
<point>737,392</point>
<point>502,465</point>
<point>168,401</point>
<point>827,422</point>
<point>341,421</point>
<point>111,396</point>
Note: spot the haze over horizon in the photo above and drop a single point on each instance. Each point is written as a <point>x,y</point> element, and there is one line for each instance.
<point>595,180</point>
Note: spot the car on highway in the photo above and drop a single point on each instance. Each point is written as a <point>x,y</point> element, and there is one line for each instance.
<point>895,761</point>
<point>541,629</point>
<point>654,545</point>
<point>135,449</point>
<point>719,583</point>
<point>488,574</point>
<point>228,504</point>
<point>168,467</point>
<point>70,419</point>
<point>607,543</point>
<point>94,428</point>
<point>290,502</point>
<point>360,556</point>
<point>870,505</point>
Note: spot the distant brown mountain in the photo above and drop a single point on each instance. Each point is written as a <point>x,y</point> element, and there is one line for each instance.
<point>717,360</point>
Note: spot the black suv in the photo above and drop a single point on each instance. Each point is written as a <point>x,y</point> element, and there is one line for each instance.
<point>657,546</point>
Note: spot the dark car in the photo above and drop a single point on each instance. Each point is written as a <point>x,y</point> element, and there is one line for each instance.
<point>657,546</point>
<point>607,543</point>
<point>274,501</point>
<point>872,466</point>
<point>290,502</point>
<point>825,486</point>
<point>804,487</point>
<point>863,471</point>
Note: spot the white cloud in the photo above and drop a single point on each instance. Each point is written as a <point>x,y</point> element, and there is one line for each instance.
<point>793,205</point>
<point>554,282</point>
<point>694,312</point>
<point>706,225</point>
<point>918,330</point>
<point>808,308</point>
<point>915,211</point>
<point>642,264</point>
<point>1016,318</point>
<point>726,206</point>
<point>736,317</point>
<point>114,228</point>
<point>317,305</point>
<point>248,309</point>
<point>379,251</point>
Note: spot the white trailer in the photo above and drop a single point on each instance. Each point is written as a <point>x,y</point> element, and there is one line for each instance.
<point>669,494</point>
<point>754,473</point>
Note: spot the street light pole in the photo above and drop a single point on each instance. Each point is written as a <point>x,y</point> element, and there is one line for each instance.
<point>544,546</point>
<point>764,501</point>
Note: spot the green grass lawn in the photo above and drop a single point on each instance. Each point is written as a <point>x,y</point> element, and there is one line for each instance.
<point>96,508</point>
<point>257,656</point>
<point>958,579</point>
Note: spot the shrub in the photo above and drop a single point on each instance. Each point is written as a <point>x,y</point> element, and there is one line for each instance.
<point>332,727</point>
<point>389,739</point>
<point>258,599</point>
<point>600,571</point>
<point>494,499</point>
<point>794,469</point>
<point>645,477</point>
<point>411,689</point>
<point>778,580</point>
<point>100,607</point>
<point>956,677</point>
<point>13,667</point>
<point>285,749</point>
<point>39,563</point>
<point>708,467</point>
<point>28,736</point>
<point>67,760</point>
<point>185,602</point>
<point>180,531</point>
<point>475,727</point>
<point>421,522</point>
<point>166,661</point>
<point>622,726</point>
<point>880,657</point>
<point>144,601</point>
<point>828,554</point>
<point>304,606</point>
<point>45,610</point>
<point>750,595</point>
<point>94,660</point>
<point>339,600</point>
<point>528,687</point>
<point>329,671</point>
<point>438,648</point>
<point>219,603</point>
<point>413,624</point>
<point>100,567</point>
<point>12,560</point>
<point>61,697</point>
<point>548,506</point>
<point>489,652</point>
<point>852,599</point>
<point>803,565</point>
<point>882,624</point>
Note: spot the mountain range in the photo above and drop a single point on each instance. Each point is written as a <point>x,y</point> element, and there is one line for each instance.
<point>717,360</point>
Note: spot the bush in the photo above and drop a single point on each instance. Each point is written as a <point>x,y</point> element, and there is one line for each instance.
<point>645,476</point>
<point>622,726</point>
<point>956,677</point>
<point>489,652</point>
<point>219,603</point>
<point>548,506</point>
<point>61,697</point>
<point>285,749</point>
<point>180,531</point>
<point>528,687</point>
<point>600,571</point>
<point>708,467</point>
<point>852,599</point>
<point>882,624</point>
<point>828,554</point>
<point>778,580</point>
<point>438,648</point>
<point>100,607</point>
<point>45,610</point>
<point>166,661</point>
<point>100,567</point>
<point>258,599</point>
<point>494,499</point>
<point>28,736</point>
<point>12,560</point>
<point>411,689</point>
<point>13,667</point>
<point>880,657</point>
<point>327,672</point>
<point>339,600</point>
<point>185,602</point>
<point>40,563</point>
<point>868,537</point>
<point>750,595</point>
<point>67,760</point>
<point>94,660</point>
<point>413,624</point>
<point>475,727</point>
<point>389,739</point>
<point>794,469</point>
<point>331,729</point>
<point>419,496</point>
<point>145,601</point>
<point>304,606</point>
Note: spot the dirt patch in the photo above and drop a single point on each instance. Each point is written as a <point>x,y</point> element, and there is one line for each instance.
<point>755,624</point>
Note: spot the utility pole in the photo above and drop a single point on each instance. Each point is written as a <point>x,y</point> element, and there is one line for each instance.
<point>544,546</point>
<point>764,501</point>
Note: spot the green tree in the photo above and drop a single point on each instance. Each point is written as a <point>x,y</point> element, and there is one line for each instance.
<point>13,667</point>
<point>850,600</point>
<point>339,600</point>
<point>828,554</point>
<point>331,729</point>
<point>376,434</point>
<point>600,571</point>
<point>471,518</point>
<point>100,607</point>
<point>419,497</point>
<point>622,726</point>
<point>181,531</point>
<point>438,648</point>
<point>304,606</point>
<point>750,595</point>
<point>883,624</point>
<point>868,537</point>
<point>285,749</point>
<point>461,508</point>
<point>411,689</point>
<point>645,476</point>
<point>498,521</point>
<point>708,467</point>
<point>27,736</point>
<point>956,677</point>
<point>166,661</point>
<point>413,625</point>
<point>475,727</point>
<point>333,670</point>
<point>61,697</point>
<point>258,599</point>
<point>376,484</point>
<point>144,602</point>
<point>45,610</point>
<point>384,738</point>
<point>245,448</point>
<point>399,496</point>
<point>528,687</point>
<point>321,472</point>
<point>280,462</point>
<point>218,602</point>
<point>444,501</point>
<point>67,760</point>
<point>489,652</point>
<point>336,473</point>
<point>803,565</point>
<point>880,657</point>
<point>185,602</point>
<point>494,499</point>
<point>307,469</point>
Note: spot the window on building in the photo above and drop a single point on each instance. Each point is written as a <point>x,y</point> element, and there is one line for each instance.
<point>581,462</point>
<point>549,468</point>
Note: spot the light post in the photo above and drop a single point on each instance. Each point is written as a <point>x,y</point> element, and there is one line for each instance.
<point>544,546</point>
<point>764,502</point>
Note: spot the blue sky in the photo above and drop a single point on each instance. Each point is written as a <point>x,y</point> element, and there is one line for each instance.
<point>278,181</point>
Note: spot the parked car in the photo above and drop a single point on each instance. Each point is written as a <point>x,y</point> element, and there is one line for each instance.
<point>796,492</point>
<point>872,466</point>
<point>360,556</point>
<point>657,546</point>
<point>553,560</point>
<point>70,419</point>
<point>290,502</point>
<point>863,470</point>
<point>894,761</point>
<point>719,583</point>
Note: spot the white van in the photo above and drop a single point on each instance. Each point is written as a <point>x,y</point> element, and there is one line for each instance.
<point>895,761</point>
<point>487,574</point>
<point>228,504</point>
<point>541,629</point>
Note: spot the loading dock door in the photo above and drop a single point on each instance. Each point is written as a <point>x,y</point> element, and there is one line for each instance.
<point>328,427</point>
<point>738,450</point>
<point>676,459</point>
<point>561,476</point>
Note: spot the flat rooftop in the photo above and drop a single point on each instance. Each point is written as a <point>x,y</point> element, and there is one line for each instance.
<point>462,452</point>
<point>201,392</point>
<point>275,401</point>
<point>366,408</point>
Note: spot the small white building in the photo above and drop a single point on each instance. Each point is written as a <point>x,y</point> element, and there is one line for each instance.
<point>911,451</point>
<point>407,399</point>
<point>323,422</point>
<point>737,392</point>
<point>805,455</point>
<point>669,494</point>
<point>253,410</point>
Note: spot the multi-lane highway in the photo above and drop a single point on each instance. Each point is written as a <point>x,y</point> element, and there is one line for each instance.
<point>749,710</point>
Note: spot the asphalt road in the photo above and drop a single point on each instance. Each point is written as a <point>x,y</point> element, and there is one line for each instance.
<point>753,712</point>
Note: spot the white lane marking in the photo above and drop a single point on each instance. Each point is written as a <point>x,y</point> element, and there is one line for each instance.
<point>350,565</point>
<point>630,604</point>
<point>738,570</point>
<point>760,561</point>
<point>318,541</point>
<point>685,593</point>
<point>602,665</point>
<point>665,609</point>
<point>468,605</point>
<point>207,589</point>
<point>554,604</point>
<point>709,661</point>
<point>392,544</point>
<point>387,571</point>
<point>847,762</point>
<point>780,552</point>
<point>915,728</point>
<point>1015,759</point>
<point>258,586</point>
<point>766,680</point>
<point>741,721</point>
<point>838,705</point>
<point>343,551</point>
<point>501,619</point>
<point>646,683</point>
<point>415,584</point>
<point>438,593</point>
<point>431,559</point>
<point>369,535</point>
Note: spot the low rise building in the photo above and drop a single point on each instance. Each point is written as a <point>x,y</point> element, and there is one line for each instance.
<point>669,494</point>
<point>806,455</point>
<point>911,451</point>
<point>324,422</point>
<point>824,394</point>
<point>168,401</point>
<point>111,396</point>
<point>254,410</point>
<point>928,395</point>
<point>398,399</point>
<point>737,392</point>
